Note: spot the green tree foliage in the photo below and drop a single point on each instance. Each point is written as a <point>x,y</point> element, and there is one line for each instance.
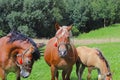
<point>36,18</point>
<point>104,9</point>
<point>75,31</point>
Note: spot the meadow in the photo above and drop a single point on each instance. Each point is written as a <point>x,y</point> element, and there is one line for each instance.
<point>112,31</point>
<point>111,51</point>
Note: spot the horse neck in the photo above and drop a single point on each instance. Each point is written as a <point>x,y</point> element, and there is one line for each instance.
<point>16,46</point>
<point>104,68</point>
<point>72,51</point>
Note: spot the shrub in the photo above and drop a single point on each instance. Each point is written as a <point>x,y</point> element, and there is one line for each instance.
<point>1,33</point>
<point>75,31</point>
<point>26,30</point>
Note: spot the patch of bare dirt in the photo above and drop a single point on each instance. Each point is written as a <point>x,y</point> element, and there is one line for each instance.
<point>83,41</point>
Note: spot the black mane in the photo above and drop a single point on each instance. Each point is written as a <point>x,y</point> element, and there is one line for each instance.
<point>14,36</point>
<point>103,58</point>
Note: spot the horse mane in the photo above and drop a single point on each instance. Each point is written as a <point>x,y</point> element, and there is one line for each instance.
<point>71,35</point>
<point>69,32</point>
<point>103,58</point>
<point>15,35</point>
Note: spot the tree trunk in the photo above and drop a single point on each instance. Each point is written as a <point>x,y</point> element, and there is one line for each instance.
<point>104,22</point>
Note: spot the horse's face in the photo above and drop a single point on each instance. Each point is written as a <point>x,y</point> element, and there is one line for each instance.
<point>25,61</point>
<point>62,40</point>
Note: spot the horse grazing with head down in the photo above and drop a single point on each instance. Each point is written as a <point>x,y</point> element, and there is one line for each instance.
<point>17,54</point>
<point>60,53</point>
<point>93,59</point>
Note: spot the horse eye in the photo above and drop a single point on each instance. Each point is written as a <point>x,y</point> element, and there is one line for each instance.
<point>68,37</point>
<point>29,62</point>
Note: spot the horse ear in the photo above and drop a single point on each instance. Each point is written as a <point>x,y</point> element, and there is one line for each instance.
<point>69,27</point>
<point>57,26</point>
<point>40,45</point>
<point>26,41</point>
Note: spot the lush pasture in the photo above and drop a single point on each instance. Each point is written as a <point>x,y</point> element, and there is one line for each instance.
<point>111,51</point>
<point>112,31</point>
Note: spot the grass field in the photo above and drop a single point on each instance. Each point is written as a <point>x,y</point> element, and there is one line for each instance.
<point>112,31</point>
<point>111,51</point>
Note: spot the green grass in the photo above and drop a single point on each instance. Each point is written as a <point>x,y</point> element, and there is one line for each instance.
<point>112,31</point>
<point>111,51</point>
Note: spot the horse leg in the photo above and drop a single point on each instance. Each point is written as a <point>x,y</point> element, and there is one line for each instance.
<point>89,73</point>
<point>53,72</point>
<point>63,75</point>
<point>82,68</point>
<point>78,69</point>
<point>18,75</point>
<point>57,74</point>
<point>68,74</point>
<point>2,74</point>
<point>99,75</point>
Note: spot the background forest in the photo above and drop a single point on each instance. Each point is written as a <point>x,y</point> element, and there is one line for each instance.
<point>36,18</point>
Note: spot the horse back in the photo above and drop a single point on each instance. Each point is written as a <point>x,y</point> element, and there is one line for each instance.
<point>88,56</point>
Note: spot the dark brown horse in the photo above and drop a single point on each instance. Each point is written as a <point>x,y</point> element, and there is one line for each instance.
<point>93,59</point>
<point>60,53</point>
<point>17,54</point>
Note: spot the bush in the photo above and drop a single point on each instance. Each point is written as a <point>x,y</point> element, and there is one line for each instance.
<point>1,33</point>
<point>75,31</point>
<point>26,30</point>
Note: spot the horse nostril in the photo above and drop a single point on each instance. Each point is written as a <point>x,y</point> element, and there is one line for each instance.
<point>63,52</point>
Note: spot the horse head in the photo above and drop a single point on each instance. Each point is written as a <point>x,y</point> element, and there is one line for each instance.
<point>62,39</point>
<point>26,51</point>
<point>25,61</point>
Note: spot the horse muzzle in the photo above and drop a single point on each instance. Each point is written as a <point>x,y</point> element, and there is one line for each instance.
<point>24,73</point>
<point>62,53</point>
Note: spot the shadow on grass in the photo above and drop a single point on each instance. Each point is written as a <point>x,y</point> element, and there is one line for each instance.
<point>74,78</point>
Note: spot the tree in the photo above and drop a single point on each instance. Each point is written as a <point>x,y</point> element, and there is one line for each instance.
<point>103,9</point>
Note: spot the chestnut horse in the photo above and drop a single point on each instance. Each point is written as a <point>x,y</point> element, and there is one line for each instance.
<point>93,59</point>
<point>60,53</point>
<point>17,54</point>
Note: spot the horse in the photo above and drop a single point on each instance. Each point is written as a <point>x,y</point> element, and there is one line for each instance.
<point>17,54</point>
<point>92,58</point>
<point>60,53</point>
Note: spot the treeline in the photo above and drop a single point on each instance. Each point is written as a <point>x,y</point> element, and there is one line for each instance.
<point>36,18</point>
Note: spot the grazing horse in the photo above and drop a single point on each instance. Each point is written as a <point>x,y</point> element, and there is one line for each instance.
<point>93,59</point>
<point>60,53</point>
<point>17,54</point>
